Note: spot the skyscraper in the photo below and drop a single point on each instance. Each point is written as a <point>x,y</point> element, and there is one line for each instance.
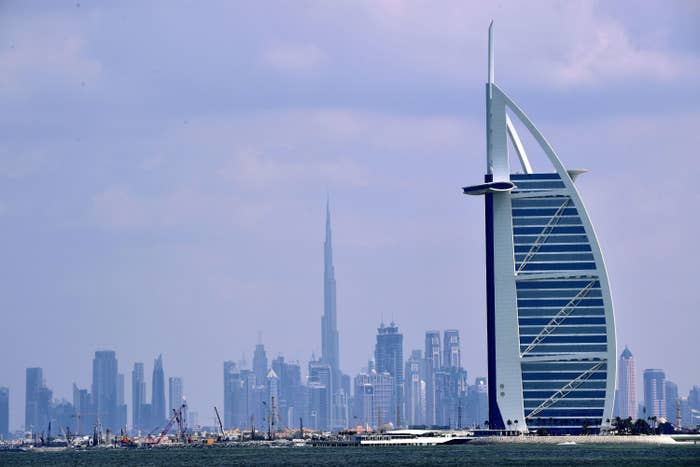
<point>291,404</point>
<point>121,403</point>
<point>655,393</point>
<point>452,356</point>
<point>319,382</point>
<point>232,385</point>
<point>432,364</point>
<point>138,397</point>
<point>34,382</point>
<point>672,403</point>
<point>627,386</point>
<point>550,324</point>
<point>176,395</point>
<point>158,415</point>
<point>104,388</point>
<point>260,364</point>
<point>85,414</point>
<point>388,357</point>
<point>374,396</point>
<point>272,399</point>
<point>329,325</point>
<point>415,389</point>
<point>4,412</point>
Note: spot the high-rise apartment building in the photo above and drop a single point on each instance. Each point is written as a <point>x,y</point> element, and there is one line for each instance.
<point>452,355</point>
<point>158,415</point>
<point>388,357</point>
<point>432,364</point>
<point>415,389</point>
<point>4,412</point>
<point>550,324</point>
<point>655,393</point>
<point>626,386</point>
<point>176,395</point>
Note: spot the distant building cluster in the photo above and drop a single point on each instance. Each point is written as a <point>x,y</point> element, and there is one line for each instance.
<point>661,402</point>
<point>101,408</point>
<point>429,388</point>
<point>391,391</point>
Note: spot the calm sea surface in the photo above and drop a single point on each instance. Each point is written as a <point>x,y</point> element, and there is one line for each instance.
<point>440,455</point>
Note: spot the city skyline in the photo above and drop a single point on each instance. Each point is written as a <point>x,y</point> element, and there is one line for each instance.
<point>136,202</point>
<point>461,400</point>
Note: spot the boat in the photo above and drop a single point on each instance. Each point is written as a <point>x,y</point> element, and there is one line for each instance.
<point>415,438</point>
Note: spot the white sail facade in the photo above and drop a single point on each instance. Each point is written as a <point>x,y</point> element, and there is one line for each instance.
<point>550,323</point>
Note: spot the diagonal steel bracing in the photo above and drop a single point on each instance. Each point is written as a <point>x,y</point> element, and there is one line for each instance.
<point>544,235</point>
<point>559,317</point>
<point>568,387</point>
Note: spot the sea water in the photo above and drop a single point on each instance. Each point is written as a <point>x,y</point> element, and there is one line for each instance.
<point>530,454</point>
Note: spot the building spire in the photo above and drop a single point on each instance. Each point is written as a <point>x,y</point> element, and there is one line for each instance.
<point>329,327</point>
<point>491,72</point>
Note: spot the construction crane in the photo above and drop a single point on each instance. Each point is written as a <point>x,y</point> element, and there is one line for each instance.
<point>221,426</point>
<point>176,417</point>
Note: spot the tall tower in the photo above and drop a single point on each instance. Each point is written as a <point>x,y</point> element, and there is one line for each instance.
<point>388,357</point>
<point>34,382</point>
<point>627,385</point>
<point>415,389</point>
<point>104,388</point>
<point>549,318</point>
<point>260,365</point>
<point>176,395</point>
<point>158,392</point>
<point>432,364</point>
<point>655,392</point>
<point>451,353</point>
<point>329,325</point>
<point>138,396</point>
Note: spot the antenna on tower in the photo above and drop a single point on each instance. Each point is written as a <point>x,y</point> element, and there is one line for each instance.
<point>491,75</point>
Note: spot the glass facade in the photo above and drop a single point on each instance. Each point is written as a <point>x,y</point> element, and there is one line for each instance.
<point>561,321</point>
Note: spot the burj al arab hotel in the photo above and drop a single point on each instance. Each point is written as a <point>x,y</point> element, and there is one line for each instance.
<point>550,324</point>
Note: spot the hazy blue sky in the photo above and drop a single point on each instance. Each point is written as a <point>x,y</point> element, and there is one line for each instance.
<point>164,166</point>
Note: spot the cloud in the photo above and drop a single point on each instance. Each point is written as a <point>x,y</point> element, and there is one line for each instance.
<point>124,209</point>
<point>293,58</point>
<point>604,52</point>
<point>57,54</point>
<point>253,170</point>
<point>247,174</point>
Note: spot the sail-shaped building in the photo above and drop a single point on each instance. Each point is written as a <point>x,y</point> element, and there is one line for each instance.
<point>550,324</point>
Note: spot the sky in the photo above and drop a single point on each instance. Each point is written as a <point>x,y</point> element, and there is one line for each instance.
<point>164,168</point>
